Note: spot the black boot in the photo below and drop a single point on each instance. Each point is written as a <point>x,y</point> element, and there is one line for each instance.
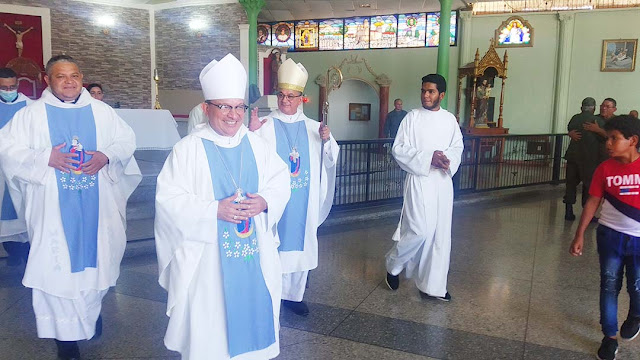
<point>68,350</point>
<point>298,307</point>
<point>568,212</point>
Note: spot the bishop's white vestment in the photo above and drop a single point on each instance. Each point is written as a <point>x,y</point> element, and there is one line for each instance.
<point>423,235</point>
<point>223,279</point>
<point>76,221</point>
<point>297,141</point>
<point>12,225</point>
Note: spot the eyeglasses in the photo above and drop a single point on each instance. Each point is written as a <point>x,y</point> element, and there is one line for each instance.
<point>9,88</point>
<point>289,97</point>
<point>226,109</point>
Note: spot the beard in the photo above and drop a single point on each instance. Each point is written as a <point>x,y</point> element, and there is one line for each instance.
<point>432,107</point>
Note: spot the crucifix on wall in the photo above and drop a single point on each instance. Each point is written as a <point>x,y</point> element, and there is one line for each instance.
<point>19,34</point>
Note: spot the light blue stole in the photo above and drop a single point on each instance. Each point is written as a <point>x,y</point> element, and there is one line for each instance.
<point>292,225</point>
<point>8,211</point>
<point>78,194</point>
<point>247,300</point>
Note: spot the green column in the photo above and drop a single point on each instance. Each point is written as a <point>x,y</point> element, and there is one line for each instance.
<point>443,45</point>
<point>253,7</point>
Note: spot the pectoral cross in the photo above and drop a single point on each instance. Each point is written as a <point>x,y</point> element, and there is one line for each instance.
<point>239,195</point>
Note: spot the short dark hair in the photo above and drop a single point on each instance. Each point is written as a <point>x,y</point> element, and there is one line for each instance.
<point>625,124</point>
<point>398,99</point>
<point>7,73</point>
<point>441,83</point>
<point>612,100</point>
<point>56,59</point>
<point>92,85</point>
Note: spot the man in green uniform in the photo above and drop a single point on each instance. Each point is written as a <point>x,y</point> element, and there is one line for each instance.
<point>583,154</point>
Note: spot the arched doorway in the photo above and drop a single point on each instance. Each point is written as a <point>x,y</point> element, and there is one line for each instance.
<point>360,95</point>
<point>354,68</point>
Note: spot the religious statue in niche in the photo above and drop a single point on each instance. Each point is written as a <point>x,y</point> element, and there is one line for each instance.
<point>483,94</point>
<point>276,61</point>
<point>19,34</point>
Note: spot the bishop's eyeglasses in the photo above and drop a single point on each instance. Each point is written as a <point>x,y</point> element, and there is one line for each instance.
<point>226,109</point>
<point>289,97</point>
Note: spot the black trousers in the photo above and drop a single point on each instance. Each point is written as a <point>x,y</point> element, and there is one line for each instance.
<point>576,174</point>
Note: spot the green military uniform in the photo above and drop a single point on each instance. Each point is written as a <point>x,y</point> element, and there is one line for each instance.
<point>583,156</point>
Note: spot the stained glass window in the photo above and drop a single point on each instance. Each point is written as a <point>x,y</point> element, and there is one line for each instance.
<point>514,32</point>
<point>331,34</point>
<point>383,32</point>
<point>282,35</point>
<point>264,34</point>
<point>356,34</point>
<point>411,29</point>
<point>433,29</point>
<point>306,35</point>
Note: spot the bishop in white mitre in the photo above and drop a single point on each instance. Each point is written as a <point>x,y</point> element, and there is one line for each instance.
<point>429,148</point>
<point>71,158</point>
<point>299,141</point>
<point>219,197</point>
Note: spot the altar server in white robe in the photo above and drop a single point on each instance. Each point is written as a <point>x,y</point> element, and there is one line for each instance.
<point>71,157</point>
<point>13,229</point>
<point>299,141</point>
<point>197,115</point>
<point>429,148</point>
<point>219,196</point>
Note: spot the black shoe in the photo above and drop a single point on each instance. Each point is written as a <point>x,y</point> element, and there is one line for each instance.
<point>393,281</point>
<point>568,212</point>
<point>298,307</point>
<point>608,349</point>
<point>445,298</point>
<point>630,329</point>
<point>98,332</point>
<point>68,350</point>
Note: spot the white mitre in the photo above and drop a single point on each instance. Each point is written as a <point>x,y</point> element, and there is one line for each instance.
<point>224,79</point>
<point>292,76</point>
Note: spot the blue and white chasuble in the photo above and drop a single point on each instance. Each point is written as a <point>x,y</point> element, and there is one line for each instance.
<point>248,305</point>
<point>78,193</point>
<point>7,110</point>
<point>292,145</point>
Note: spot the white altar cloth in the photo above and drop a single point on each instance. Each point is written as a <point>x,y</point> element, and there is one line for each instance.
<point>154,129</point>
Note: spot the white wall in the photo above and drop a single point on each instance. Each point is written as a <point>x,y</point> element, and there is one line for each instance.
<point>353,91</point>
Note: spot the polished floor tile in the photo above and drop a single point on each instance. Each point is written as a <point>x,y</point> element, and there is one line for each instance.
<point>517,294</point>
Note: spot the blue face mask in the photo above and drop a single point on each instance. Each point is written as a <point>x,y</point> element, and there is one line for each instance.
<point>8,96</point>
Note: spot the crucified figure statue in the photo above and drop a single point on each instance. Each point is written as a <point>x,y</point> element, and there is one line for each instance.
<point>19,34</point>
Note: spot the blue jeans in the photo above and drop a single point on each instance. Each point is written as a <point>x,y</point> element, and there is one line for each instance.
<point>617,251</point>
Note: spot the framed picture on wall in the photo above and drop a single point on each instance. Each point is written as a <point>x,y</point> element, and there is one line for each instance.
<point>359,112</point>
<point>619,55</point>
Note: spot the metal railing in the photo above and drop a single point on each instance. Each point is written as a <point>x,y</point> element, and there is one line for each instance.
<point>367,172</point>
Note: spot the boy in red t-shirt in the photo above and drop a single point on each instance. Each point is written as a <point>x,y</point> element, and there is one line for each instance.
<point>617,180</point>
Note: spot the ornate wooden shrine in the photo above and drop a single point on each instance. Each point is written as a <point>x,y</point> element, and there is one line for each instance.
<point>480,74</point>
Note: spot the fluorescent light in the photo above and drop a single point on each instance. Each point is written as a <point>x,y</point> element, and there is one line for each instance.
<point>105,20</point>
<point>197,24</point>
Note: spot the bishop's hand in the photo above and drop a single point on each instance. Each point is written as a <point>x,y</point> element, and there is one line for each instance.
<point>231,211</point>
<point>255,123</point>
<point>255,204</point>
<point>325,132</point>
<point>440,160</point>
<point>62,161</point>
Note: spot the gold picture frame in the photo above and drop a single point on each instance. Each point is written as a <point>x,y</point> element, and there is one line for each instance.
<point>619,55</point>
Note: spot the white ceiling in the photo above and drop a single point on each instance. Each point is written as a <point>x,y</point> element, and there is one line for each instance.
<point>278,10</point>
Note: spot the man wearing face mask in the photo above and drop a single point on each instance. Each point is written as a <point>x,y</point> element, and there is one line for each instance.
<point>13,230</point>
<point>300,142</point>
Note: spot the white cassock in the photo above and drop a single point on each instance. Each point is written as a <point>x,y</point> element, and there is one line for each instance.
<point>423,235</point>
<point>296,264</point>
<point>196,116</point>
<point>13,229</point>
<point>67,301</point>
<point>189,249</point>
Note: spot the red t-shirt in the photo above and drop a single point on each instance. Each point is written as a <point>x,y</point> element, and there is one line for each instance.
<point>619,184</point>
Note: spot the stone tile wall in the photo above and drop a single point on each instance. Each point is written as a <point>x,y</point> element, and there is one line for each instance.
<point>181,53</point>
<point>120,61</point>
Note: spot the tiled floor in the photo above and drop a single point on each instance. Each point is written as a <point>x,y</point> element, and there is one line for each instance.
<point>517,294</point>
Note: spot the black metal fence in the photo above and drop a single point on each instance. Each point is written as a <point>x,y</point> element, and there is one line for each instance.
<point>367,172</point>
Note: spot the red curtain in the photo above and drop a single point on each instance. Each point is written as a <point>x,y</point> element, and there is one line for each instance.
<point>32,40</point>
